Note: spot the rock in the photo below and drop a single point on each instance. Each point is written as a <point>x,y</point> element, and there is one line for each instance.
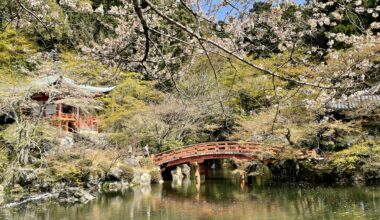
<point>67,141</point>
<point>186,170</point>
<point>275,138</point>
<point>92,180</point>
<point>115,173</point>
<point>124,184</point>
<point>114,186</point>
<point>41,185</point>
<point>74,195</point>
<point>372,172</point>
<point>1,189</point>
<point>28,199</point>
<point>57,187</point>
<point>145,179</point>
<point>155,175</point>
<point>136,178</point>
<point>257,138</point>
<point>141,178</point>
<point>132,162</point>
<point>358,179</point>
<point>26,176</point>
<point>177,176</point>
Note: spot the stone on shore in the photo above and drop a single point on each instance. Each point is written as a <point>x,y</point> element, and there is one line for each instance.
<point>186,170</point>
<point>26,176</point>
<point>74,195</point>
<point>115,173</point>
<point>143,179</point>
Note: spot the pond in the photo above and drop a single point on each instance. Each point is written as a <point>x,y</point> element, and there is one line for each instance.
<point>219,197</point>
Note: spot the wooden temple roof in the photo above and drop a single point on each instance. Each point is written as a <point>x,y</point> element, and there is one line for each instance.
<point>352,103</point>
<point>57,78</point>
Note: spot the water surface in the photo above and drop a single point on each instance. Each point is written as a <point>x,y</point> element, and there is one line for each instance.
<point>218,198</point>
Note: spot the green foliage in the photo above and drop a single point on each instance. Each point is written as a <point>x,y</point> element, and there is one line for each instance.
<point>3,161</point>
<point>82,68</point>
<point>127,112</point>
<point>131,96</point>
<point>28,139</point>
<point>171,144</point>
<point>346,162</point>
<point>66,173</point>
<point>348,158</point>
<point>15,49</point>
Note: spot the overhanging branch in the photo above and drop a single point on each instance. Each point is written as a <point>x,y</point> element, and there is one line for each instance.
<point>138,11</point>
<point>202,39</point>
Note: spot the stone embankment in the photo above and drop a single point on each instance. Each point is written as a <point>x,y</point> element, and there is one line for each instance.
<point>316,172</point>
<point>36,184</point>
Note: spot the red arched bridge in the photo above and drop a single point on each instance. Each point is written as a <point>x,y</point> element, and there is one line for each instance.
<point>198,153</point>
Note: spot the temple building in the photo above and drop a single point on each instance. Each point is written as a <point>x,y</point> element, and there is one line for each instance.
<point>65,103</point>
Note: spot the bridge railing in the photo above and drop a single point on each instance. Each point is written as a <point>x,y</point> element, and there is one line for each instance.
<point>249,149</point>
<point>228,147</point>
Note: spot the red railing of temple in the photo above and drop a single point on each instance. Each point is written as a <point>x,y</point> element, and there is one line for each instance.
<point>63,119</point>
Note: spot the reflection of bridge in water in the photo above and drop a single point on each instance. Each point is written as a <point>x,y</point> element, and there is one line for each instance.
<point>196,154</point>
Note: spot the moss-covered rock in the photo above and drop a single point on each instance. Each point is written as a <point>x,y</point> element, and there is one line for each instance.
<point>155,176</point>
<point>127,172</point>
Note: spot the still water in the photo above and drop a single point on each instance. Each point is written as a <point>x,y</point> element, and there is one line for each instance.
<point>218,198</point>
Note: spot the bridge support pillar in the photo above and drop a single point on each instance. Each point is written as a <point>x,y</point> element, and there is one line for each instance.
<point>197,173</point>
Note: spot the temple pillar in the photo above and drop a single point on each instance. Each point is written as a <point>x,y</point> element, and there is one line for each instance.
<point>77,118</point>
<point>59,110</point>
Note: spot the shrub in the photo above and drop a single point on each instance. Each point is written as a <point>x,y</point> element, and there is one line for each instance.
<point>146,163</point>
<point>105,166</point>
<point>346,162</point>
<point>84,163</point>
<point>355,150</point>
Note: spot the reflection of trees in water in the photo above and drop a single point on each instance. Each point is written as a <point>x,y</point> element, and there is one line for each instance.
<point>321,202</point>
<point>216,200</point>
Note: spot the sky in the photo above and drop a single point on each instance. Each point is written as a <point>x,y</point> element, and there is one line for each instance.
<point>228,9</point>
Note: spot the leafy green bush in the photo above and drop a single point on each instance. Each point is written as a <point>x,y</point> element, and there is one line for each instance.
<point>346,162</point>
<point>355,150</point>
<point>171,144</point>
<point>348,158</point>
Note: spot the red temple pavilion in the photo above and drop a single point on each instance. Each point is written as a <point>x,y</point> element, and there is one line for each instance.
<point>68,117</point>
